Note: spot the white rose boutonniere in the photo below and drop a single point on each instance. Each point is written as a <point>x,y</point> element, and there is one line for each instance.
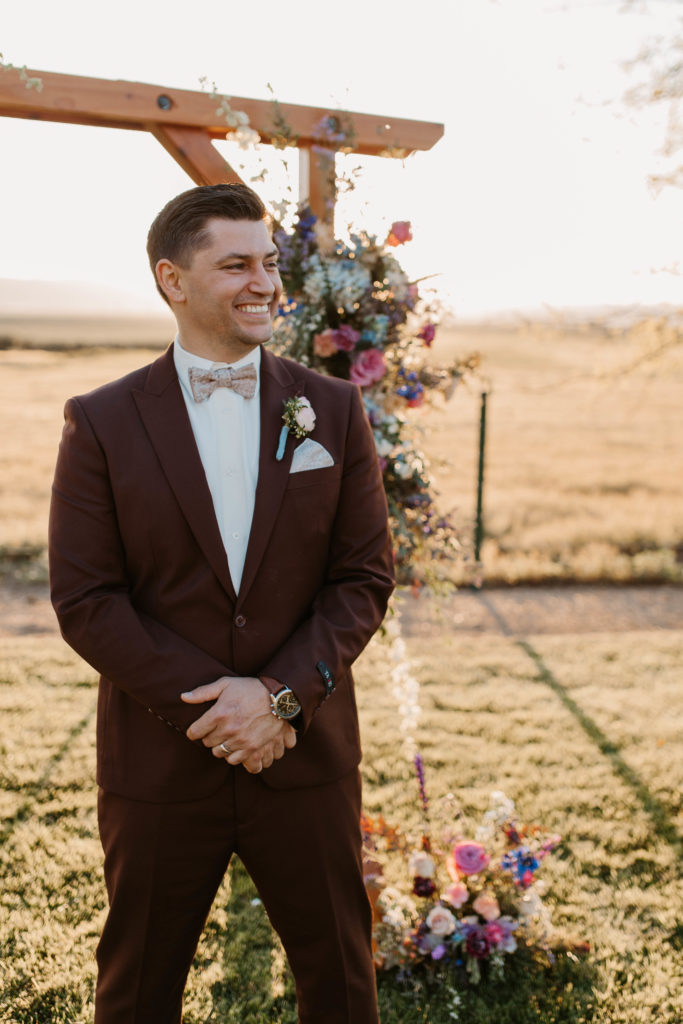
<point>299,417</point>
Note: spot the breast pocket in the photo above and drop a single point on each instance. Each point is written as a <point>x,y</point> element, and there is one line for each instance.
<point>328,475</point>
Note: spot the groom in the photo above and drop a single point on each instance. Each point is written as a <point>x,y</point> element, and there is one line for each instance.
<point>222,587</point>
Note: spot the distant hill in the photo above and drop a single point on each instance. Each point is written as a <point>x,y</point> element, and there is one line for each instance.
<point>68,314</point>
<point>20,299</point>
<point>67,298</point>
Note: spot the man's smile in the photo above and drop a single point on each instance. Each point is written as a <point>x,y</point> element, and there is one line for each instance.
<point>252,307</point>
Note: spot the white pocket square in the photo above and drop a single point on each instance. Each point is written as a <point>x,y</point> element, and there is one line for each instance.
<point>310,455</point>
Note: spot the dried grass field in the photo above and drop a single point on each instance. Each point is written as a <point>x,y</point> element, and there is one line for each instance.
<point>584,730</point>
<point>584,462</point>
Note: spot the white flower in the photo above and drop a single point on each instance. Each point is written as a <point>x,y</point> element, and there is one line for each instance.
<point>531,904</point>
<point>396,278</point>
<point>440,921</point>
<point>422,865</point>
<point>403,470</point>
<point>246,137</point>
<point>398,909</point>
<point>348,282</point>
<point>315,282</point>
<point>304,415</point>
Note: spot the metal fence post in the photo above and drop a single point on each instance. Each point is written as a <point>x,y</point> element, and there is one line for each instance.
<point>479,523</point>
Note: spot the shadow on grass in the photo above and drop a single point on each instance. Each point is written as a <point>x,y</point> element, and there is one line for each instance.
<point>257,985</point>
<point>659,815</point>
<point>33,790</point>
<point>58,1005</point>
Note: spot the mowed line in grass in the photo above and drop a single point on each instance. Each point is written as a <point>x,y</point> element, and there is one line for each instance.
<point>486,724</point>
<point>659,810</point>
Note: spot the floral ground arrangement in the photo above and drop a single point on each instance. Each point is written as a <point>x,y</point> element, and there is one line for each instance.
<point>351,311</point>
<point>465,896</point>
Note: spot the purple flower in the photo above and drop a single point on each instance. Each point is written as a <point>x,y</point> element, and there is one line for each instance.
<point>477,943</point>
<point>427,333</point>
<point>420,769</point>
<point>423,887</point>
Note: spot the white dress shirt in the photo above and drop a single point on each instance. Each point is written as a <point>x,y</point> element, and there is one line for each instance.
<point>227,430</point>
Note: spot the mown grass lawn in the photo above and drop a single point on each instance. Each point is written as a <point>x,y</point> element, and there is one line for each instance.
<point>583,732</point>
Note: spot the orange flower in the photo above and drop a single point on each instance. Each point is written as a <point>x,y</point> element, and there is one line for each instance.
<point>399,233</point>
<point>324,344</point>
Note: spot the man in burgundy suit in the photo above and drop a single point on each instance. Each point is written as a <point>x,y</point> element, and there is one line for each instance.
<point>222,587</point>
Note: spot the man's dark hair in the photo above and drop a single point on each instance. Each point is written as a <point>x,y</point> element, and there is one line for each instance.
<point>179,230</point>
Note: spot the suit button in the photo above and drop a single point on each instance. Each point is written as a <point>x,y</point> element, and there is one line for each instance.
<point>240,621</point>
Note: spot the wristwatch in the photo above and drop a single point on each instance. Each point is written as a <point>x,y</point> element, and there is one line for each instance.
<point>283,702</point>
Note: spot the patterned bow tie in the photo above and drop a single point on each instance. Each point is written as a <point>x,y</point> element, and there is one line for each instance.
<point>205,382</point>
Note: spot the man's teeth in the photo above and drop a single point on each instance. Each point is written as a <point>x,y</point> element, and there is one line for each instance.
<point>254,309</point>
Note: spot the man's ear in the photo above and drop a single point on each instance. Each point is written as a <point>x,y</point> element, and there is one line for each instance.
<point>168,276</point>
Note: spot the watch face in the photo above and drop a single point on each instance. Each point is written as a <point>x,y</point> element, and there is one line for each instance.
<point>286,704</point>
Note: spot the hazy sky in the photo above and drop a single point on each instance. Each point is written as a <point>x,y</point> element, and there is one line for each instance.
<point>537,194</point>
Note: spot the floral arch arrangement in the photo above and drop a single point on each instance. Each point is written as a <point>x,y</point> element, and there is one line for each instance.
<point>350,311</point>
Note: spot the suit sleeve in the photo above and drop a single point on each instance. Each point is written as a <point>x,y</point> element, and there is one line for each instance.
<point>351,604</point>
<point>90,588</point>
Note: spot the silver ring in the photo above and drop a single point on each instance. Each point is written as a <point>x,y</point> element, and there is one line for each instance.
<point>226,750</point>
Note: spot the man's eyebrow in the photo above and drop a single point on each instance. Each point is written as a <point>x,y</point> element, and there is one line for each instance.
<point>245,257</point>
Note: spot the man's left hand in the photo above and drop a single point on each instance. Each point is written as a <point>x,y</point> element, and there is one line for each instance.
<point>241,719</point>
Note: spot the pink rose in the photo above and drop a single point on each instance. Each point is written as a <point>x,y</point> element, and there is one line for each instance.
<point>324,344</point>
<point>456,894</point>
<point>305,416</point>
<point>494,932</point>
<point>470,858</point>
<point>399,233</point>
<point>486,905</point>
<point>368,367</point>
<point>345,338</point>
<point>440,921</point>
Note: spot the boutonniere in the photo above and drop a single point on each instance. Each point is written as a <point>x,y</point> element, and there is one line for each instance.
<point>299,418</point>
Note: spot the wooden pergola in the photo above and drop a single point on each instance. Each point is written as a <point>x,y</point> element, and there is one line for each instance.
<point>185,123</point>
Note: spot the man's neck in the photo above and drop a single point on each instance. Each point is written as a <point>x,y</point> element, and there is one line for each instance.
<point>216,351</point>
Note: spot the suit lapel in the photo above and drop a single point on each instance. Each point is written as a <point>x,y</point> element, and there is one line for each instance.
<point>163,413</point>
<point>277,385</point>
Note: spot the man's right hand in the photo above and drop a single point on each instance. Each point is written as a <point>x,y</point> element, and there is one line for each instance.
<point>241,719</point>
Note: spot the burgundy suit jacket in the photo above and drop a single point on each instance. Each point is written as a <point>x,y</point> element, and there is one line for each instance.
<point>142,591</point>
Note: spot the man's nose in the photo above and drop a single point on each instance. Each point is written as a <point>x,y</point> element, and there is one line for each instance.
<point>260,280</point>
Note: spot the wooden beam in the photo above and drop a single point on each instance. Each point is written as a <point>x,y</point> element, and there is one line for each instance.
<point>76,99</point>
<point>193,150</point>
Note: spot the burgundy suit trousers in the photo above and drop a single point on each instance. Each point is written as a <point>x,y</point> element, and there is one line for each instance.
<point>165,862</point>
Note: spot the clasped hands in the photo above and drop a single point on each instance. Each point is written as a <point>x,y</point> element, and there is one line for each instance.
<point>241,719</point>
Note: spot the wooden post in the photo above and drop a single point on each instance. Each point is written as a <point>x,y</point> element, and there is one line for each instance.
<point>193,150</point>
<point>317,176</point>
